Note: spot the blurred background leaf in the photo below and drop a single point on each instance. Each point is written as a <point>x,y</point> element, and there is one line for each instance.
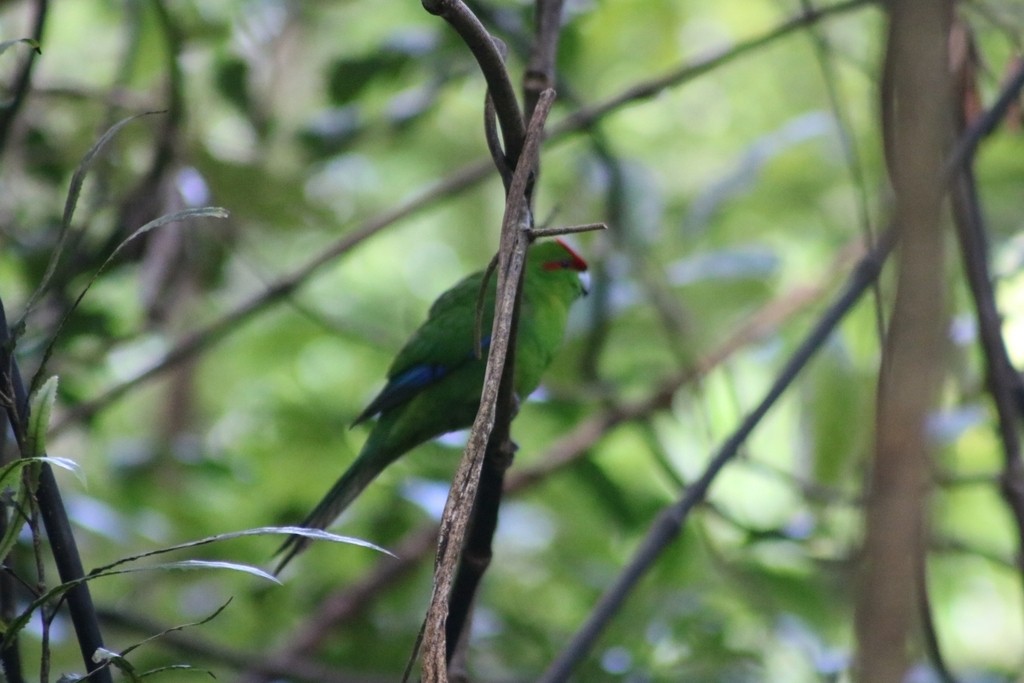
<point>735,210</point>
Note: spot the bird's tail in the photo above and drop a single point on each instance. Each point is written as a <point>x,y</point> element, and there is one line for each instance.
<point>361,472</point>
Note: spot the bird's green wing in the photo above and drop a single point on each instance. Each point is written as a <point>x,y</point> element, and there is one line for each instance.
<point>444,343</point>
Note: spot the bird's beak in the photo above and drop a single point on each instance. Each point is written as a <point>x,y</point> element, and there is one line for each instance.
<point>585,282</point>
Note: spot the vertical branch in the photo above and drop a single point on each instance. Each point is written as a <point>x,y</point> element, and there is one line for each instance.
<point>458,508</point>
<point>471,511</point>
<point>540,72</point>
<point>917,129</point>
<point>1004,383</point>
<point>477,554</point>
<point>10,656</point>
<point>54,515</point>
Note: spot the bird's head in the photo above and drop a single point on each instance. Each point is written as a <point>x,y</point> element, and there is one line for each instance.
<point>557,261</point>
<point>557,255</point>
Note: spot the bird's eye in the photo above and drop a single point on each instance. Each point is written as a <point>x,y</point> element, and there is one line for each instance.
<point>563,264</point>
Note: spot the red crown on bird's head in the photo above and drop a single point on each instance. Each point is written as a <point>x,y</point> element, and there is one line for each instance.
<point>573,261</point>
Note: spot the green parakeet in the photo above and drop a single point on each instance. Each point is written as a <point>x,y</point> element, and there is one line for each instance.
<point>434,384</point>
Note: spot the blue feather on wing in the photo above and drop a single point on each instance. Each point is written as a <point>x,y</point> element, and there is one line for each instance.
<point>406,384</point>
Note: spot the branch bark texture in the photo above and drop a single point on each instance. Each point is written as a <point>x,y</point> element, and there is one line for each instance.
<point>917,126</point>
<point>459,507</point>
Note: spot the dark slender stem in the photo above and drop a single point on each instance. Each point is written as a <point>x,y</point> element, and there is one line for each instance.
<point>930,634</point>
<point>494,143</point>
<point>540,72</point>
<point>478,553</point>
<point>55,519</point>
<point>489,58</point>
<point>1002,379</point>
<point>491,423</point>
<point>10,658</point>
<point>21,87</point>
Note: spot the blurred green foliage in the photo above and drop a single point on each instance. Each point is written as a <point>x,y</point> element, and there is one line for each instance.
<point>731,195</point>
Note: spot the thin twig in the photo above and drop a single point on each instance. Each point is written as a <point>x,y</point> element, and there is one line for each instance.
<point>1002,379</point>
<point>537,233</point>
<point>501,162</point>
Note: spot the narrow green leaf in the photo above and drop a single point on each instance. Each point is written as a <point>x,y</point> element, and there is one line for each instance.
<point>103,655</point>
<point>6,44</point>
<point>260,531</point>
<point>215,564</point>
<point>74,191</point>
<point>78,178</point>
<point>177,667</point>
<point>12,467</point>
<point>41,406</point>
<point>206,211</point>
<point>180,627</point>
<point>185,214</point>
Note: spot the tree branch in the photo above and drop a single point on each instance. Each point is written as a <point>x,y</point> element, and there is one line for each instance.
<point>540,72</point>
<point>918,125</point>
<point>1003,381</point>
<point>497,380</point>
<point>55,518</point>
